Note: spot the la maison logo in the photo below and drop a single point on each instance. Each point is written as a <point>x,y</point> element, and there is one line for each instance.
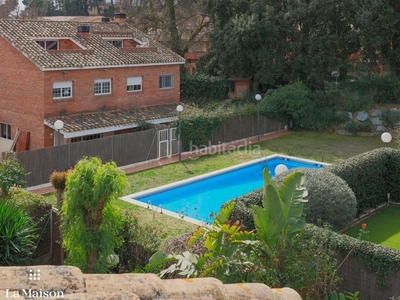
<point>33,275</point>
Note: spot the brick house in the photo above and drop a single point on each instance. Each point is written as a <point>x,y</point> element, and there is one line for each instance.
<point>99,78</point>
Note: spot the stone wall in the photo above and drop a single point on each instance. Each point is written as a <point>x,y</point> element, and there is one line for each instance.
<point>67,282</point>
<point>371,117</point>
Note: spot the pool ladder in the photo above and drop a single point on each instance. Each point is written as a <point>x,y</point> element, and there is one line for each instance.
<point>154,209</point>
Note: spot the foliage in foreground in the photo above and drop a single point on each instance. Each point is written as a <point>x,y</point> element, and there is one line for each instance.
<point>17,235</point>
<point>89,220</point>
<point>276,254</point>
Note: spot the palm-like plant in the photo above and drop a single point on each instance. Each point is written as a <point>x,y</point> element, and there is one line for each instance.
<point>282,213</point>
<point>17,235</point>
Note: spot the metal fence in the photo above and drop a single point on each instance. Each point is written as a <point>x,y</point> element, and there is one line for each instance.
<point>130,148</point>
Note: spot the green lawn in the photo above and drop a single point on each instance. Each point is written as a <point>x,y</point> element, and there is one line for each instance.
<point>330,148</point>
<point>383,228</point>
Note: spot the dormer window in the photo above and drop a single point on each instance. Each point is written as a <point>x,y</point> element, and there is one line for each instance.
<point>48,45</point>
<point>116,43</point>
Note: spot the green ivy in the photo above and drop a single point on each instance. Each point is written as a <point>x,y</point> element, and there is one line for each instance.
<point>382,261</point>
<point>203,88</point>
<point>198,126</point>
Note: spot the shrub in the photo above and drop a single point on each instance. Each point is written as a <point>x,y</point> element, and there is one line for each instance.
<point>289,102</point>
<point>390,117</point>
<point>11,174</point>
<point>17,235</point>
<point>365,126</point>
<point>29,202</point>
<point>243,211</point>
<point>140,242</point>
<point>330,200</point>
<point>351,127</point>
<point>200,87</point>
<point>371,176</point>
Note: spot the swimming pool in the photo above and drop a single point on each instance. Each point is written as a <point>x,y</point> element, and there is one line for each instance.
<point>197,198</point>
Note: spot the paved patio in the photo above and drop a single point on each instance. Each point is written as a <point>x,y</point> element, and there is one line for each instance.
<point>48,188</point>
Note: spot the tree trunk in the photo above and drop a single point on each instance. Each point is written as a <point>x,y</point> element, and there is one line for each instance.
<point>172,28</point>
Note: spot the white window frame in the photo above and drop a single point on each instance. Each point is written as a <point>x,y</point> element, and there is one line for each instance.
<point>63,87</point>
<point>103,87</point>
<point>47,43</point>
<point>134,84</point>
<point>162,81</point>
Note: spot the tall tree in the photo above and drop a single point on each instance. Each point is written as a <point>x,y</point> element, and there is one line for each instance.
<point>7,7</point>
<point>178,24</point>
<point>89,220</point>
<point>377,22</point>
<point>278,42</point>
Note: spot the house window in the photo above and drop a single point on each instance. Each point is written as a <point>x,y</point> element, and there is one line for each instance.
<point>166,81</point>
<point>86,138</point>
<point>134,84</point>
<point>48,45</point>
<point>5,131</point>
<point>62,90</point>
<point>116,43</point>
<point>102,87</point>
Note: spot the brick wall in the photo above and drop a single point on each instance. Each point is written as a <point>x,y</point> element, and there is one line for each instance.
<point>21,94</point>
<point>84,100</point>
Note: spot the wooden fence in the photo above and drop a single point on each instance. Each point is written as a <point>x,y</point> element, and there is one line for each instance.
<point>130,148</point>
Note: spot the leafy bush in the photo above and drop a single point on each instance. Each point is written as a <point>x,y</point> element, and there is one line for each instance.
<point>390,117</point>
<point>17,235</point>
<point>351,127</point>
<point>11,174</point>
<point>330,200</point>
<point>243,211</point>
<point>29,202</point>
<point>200,87</point>
<point>289,102</point>
<point>365,126</point>
<point>371,176</point>
<point>309,110</point>
<point>140,242</point>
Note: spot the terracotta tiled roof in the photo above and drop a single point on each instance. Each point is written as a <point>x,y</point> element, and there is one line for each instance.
<point>22,34</point>
<point>115,118</point>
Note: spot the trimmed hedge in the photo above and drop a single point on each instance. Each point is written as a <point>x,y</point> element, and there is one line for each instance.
<point>330,200</point>
<point>201,86</point>
<point>371,176</point>
<point>380,260</point>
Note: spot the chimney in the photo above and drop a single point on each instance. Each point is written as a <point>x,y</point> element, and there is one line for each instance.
<point>105,19</point>
<point>120,18</point>
<point>83,31</point>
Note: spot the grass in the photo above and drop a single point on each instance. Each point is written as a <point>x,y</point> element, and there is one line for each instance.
<point>383,228</point>
<point>329,148</point>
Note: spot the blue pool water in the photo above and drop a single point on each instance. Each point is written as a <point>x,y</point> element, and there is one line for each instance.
<point>200,198</point>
